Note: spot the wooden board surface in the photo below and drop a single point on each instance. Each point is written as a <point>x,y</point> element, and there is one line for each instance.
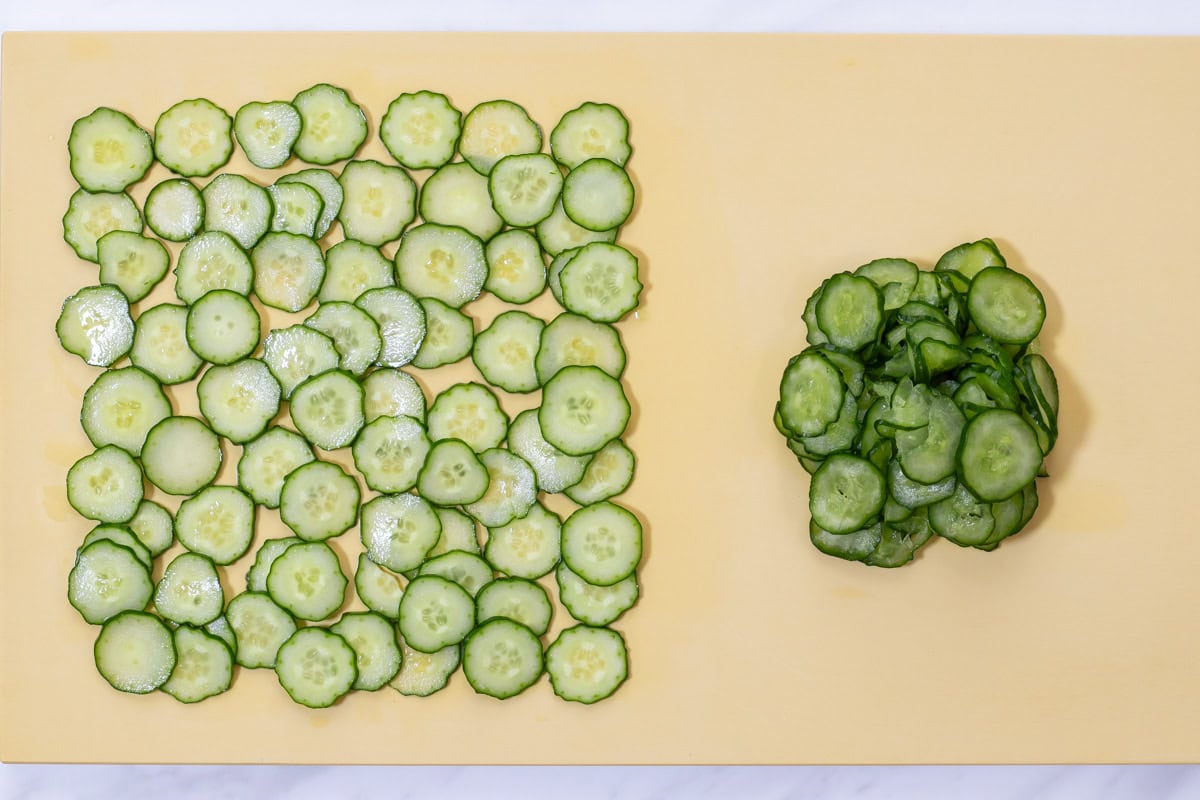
<point>763,164</point>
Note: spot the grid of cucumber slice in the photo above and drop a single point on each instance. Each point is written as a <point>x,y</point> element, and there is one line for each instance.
<point>240,165</point>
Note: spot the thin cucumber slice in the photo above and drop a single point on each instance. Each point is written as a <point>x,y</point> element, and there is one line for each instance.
<point>135,652</point>
<point>497,129</point>
<point>203,666</point>
<point>240,400</point>
<point>379,589</point>
<point>175,210</point>
<point>601,282</point>
<point>297,208</point>
<point>435,613</point>
<point>267,132</point>
<point>854,546</point>
<point>193,138</point>
<point>217,522</point>
<point>999,455</point>
<point>895,549</point>
<point>332,126</point>
<point>268,460</point>
<point>470,412</point>
<point>352,268</point>
<point>297,353</point>
<point>928,455</point>
<point>421,129</point>
<point>449,335</point>
<point>811,394</point>
<point>911,494</point>
<point>288,270</point>
<point>457,195</point>
<point>105,485</point>
<point>442,262</point>
<point>587,664</point>
<point>962,518</point>
<point>554,273</point>
<point>608,474</point>
<point>212,260</point>
<point>572,340</point>
<point>328,409</point>
<point>398,530</point>
<point>452,474</point>
<point>422,674</point>
<point>516,269</point>
<point>260,626</point>
<point>583,409</point>
<point>121,407</point>
<point>223,327</point>
<point>108,151</point>
<point>598,195</point>
<point>971,258</point>
<point>554,469</point>
<point>154,527</point>
<point>401,322</point>
<point>391,392</point>
<point>380,201</point>
<point>355,335</point>
<point>106,580</point>
<point>131,262</point>
<point>459,532</point>
<point>850,311</point>
<point>517,599</point>
<point>376,651</point>
<point>602,543</point>
<point>271,549</point>
<point>237,206</point>
<point>91,215</point>
<point>593,130</point>
<point>524,188</point>
<point>95,325</point>
<point>511,492</point>
<point>558,232</point>
<point>190,591</point>
<point>389,452</point>
<point>502,658</point>
<point>529,547</point>
<point>221,629</point>
<point>505,352</point>
<point>894,277</point>
<point>468,570</point>
<point>316,667</point>
<point>319,501</point>
<point>307,580</point>
<point>122,535</point>
<point>1006,306</point>
<point>330,190</point>
<point>595,605</point>
<point>181,455</point>
<point>846,493</point>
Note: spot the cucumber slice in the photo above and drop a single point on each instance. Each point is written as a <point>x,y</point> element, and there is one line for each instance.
<point>911,494</point>
<point>497,129</point>
<point>379,589</point>
<point>608,474</point>
<point>316,667</point>
<point>422,674</point>
<point>470,412</point>
<point>330,190</point>
<point>435,613</point>
<point>502,658</point>
<point>517,599</point>
<point>217,522</point>
<point>516,270</point>
<point>587,664</point>
<point>237,206</point>
<point>260,627</point>
<point>583,409</point>
<point>108,151</point>
<point>971,258</point>
<point>288,270</point>
<point>847,493</point>
<point>271,549</point>
<point>962,518</point>
<point>401,322</point>
<point>319,501</point>
<point>91,215</point>
<point>121,407</point>
<point>376,652</point>
<point>135,652</point>
<point>468,570</point>
<point>297,208</point>
<point>593,130</point>
<point>212,260</point>
<point>595,605</point>
<point>352,268</point>
<point>154,527</point>
<point>297,353</point>
<point>398,530</point>
<point>203,666</point>
<point>602,543</point>
<point>850,311</point>
<point>524,188</point>
<point>811,394</point>
<point>529,547</point>
<point>267,132</point>
<point>380,201</point>
<point>441,262</point>
<point>459,532</point>
<point>181,455</point>
<point>504,353</point>
<point>223,327</point>
<point>457,195</point>
<point>421,130</point>
<point>131,262</point>
<point>554,273</point>
<point>192,138</point>
<point>601,282</point>
<point>554,469</point>
<point>268,460</point>
<point>511,492</point>
<point>355,335</point>
<point>328,409</point>
<point>95,325</point>
<point>389,452</point>
<point>175,210</point>
<point>332,126</point>
<point>928,455</point>
<point>999,455</point>
<point>390,392</point>
<point>221,629</point>
<point>896,278</point>
<point>1006,306</point>
<point>452,474</point>
<point>190,591</point>
<point>105,485</point>
<point>558,232</point>
<point>598,195</point>
<point>106,580</point>
<point>570,339</point>
<point>307,580</point>
<point>449,335</point>
<point>122,535</point>
<point>240,400</point>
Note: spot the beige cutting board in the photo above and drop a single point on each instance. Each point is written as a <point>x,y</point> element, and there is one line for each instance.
<point>763,164</point>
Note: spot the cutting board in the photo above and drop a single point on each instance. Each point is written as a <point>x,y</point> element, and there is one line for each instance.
<point>763,163</point>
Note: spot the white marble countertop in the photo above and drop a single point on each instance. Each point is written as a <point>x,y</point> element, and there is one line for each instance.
<point>1111,17</point>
